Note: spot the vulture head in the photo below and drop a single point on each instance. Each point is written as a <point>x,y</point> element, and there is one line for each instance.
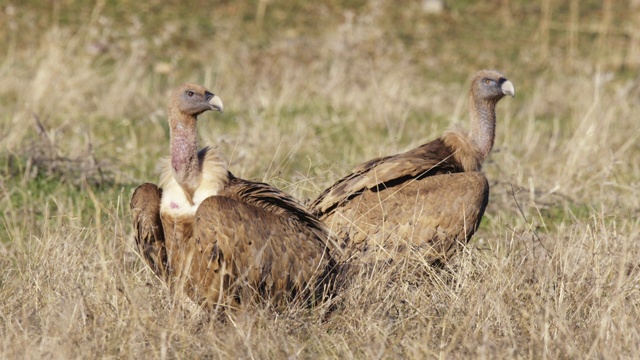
<point>487,88</point>
<point>491,86</point>
<point>193,100</point>
<point>186,103</point>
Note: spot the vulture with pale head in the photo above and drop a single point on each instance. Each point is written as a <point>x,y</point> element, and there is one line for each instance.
<point>429,199</point>
<point>219,238</point>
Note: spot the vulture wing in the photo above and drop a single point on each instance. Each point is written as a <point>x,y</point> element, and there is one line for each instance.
<point>434,216</point>
<point>268,253</point>
<point>429,159</point>
<point>276,201</point>
<point>148,232</point>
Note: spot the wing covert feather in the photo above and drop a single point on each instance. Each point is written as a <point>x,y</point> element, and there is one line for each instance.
<point>270,253</point>
<point>434,216</point>
<point>429,159</point>
<point>278,202</point>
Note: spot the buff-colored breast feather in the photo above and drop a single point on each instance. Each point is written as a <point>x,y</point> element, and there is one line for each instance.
<point>176,201</point>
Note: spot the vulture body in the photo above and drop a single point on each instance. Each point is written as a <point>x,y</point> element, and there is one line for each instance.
<point>429,199</point>
<point>219,238</point>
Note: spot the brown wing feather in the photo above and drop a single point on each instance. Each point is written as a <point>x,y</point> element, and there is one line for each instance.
<point>434,216</point>
<point>148,232</point>
<point>243,247</point>
<point>429,159</point>
<point>273,200</point>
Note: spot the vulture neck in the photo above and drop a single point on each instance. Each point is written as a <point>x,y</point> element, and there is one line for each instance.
<point>184,150</point>
<point>483,124</point>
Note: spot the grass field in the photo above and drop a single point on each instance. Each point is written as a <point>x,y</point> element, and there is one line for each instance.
<point>310,90</point>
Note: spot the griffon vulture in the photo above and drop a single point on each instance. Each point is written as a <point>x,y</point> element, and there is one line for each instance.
<point>220,238</point>
<point>430,199</point>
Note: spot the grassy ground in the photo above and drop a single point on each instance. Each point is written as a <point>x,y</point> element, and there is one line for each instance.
<point>311,89</point>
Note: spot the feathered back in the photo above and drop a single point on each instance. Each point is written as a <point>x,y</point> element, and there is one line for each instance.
<point>432,158</point>
<point>274,200</point>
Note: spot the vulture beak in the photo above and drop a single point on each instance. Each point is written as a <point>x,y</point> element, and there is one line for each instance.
<point>508,89</point>
<point>216,103</point>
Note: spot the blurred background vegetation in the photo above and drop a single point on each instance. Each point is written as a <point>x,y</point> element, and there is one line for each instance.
<point>312,87</point>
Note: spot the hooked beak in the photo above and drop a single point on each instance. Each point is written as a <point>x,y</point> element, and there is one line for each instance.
<point>216,103</point>
<point>508,89</point>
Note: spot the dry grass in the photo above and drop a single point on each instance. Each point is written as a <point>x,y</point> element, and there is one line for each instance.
<point>312,89</point>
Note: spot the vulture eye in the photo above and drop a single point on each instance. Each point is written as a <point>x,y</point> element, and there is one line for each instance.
<point>487,81</point>
<point>190,93</point>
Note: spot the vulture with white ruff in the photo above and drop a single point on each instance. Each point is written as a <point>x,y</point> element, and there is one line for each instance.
<point>429,199</point>
<point>219,238</point>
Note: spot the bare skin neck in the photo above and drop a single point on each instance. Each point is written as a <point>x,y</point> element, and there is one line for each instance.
<point>483,124</point>
<point>184,150</point>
